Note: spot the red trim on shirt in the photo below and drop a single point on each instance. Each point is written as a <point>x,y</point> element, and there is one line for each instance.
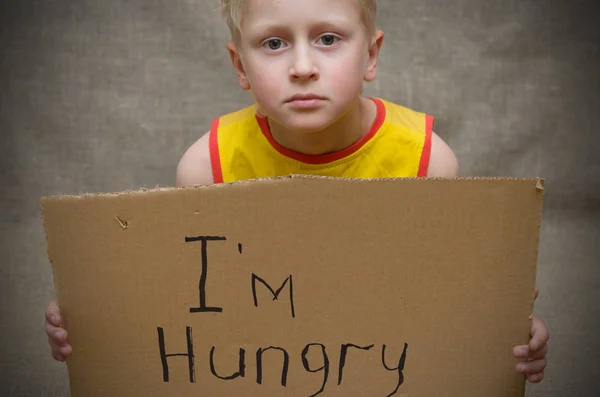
<point>426,154</point>
<point>215,157</point>
<point>330,157</point>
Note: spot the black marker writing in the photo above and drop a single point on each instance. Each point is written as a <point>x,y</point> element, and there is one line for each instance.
<point>286,364</point>
<point>202,285</point>
<point>189,354</point>
<point>324,368</point>
<point>400,367</point>
<point>343,354</point>
<point>275,293</point>
<point>242,365</point>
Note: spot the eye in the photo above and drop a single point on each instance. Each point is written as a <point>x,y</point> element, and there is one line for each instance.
<point>328,39</point>
<point>274,44</point>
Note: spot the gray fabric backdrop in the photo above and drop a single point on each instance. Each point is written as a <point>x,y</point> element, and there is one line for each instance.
<point>106,95</point>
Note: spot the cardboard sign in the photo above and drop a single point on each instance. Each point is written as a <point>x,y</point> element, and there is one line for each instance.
<point>298,287</point>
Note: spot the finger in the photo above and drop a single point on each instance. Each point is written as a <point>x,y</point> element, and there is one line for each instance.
<point>53,314</point>
<point>539,334</point>
<point>523,351</point>
<point>541,353</point>
<point>536,378</point>
<point>536,293</point>
<point>57,335</point>
<point>55,349</point>
<point>532,367</point>
<point>51,331</point>
<point>60,352</point>
<point>53,346</point>
<point>66,350</point>
<point>58,357</point>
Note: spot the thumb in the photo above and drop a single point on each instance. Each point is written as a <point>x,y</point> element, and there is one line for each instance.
<point>539,335</point>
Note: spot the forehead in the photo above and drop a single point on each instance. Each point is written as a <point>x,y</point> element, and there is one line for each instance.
<point>258,13</point>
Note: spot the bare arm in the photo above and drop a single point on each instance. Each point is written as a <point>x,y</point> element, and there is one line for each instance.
<point>194,167</point>
<point>443,162</point>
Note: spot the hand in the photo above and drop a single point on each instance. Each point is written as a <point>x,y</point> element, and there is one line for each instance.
<point>57,336</point>
<point>535,352</point>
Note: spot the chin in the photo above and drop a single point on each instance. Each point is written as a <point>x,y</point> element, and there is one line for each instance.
<point>307,122</point>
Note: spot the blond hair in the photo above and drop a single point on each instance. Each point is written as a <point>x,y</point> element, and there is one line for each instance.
<point>232,10</point>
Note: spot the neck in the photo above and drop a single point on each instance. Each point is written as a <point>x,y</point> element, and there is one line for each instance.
<point>344,132</point>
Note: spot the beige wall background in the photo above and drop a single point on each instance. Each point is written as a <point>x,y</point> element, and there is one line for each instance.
<point>106,95</point>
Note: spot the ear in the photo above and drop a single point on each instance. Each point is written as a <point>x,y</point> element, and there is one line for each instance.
<point>372,61</point>
<point>236,60</point>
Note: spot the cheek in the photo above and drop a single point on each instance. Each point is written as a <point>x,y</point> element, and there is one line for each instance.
<point>262,82</point>
<point>352,77</point>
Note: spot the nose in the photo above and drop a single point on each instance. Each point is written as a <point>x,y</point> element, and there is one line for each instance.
<point>304,67</point>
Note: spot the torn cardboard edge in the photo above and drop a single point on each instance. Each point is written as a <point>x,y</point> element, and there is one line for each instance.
<point>539,184</point>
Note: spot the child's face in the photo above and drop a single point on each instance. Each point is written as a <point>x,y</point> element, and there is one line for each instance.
<point>315,48</point>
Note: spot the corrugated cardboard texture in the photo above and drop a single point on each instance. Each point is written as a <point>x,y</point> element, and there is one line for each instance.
<point>440,270</point>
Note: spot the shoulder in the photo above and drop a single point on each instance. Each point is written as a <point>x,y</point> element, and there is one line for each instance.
<point>195,167</point>
<point>442,162</point>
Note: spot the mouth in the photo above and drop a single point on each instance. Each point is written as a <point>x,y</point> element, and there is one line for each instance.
<point>305,97</point>
<point>305,101</point>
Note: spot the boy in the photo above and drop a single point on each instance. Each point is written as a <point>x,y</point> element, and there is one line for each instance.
<point>304,62</point>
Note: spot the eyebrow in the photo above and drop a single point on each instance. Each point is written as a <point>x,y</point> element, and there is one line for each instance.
<point>277,26</point>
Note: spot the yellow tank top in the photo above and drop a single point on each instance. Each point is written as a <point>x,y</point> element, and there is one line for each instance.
<point>397,145</point>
